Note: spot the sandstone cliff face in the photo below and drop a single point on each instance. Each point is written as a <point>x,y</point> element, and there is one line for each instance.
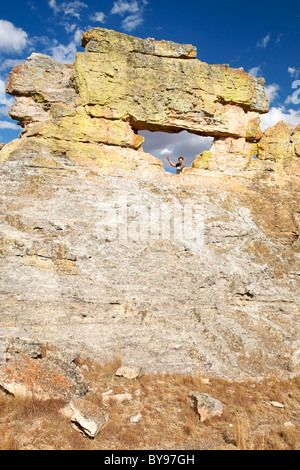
<point>80,264</point>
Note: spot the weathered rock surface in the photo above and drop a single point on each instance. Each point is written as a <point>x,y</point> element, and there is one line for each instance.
<point>118,398</point>
<point>129,372</point>
<point>36,85</point>
<point>76,270</point>
<point>88,417</point>
<point>205,405</point>
<point>41,378</point>
<point>96,252</point>
<point>280,145</point>
<point>120,85</point>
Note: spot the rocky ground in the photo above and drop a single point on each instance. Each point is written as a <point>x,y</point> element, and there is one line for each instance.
<point>119,407</point>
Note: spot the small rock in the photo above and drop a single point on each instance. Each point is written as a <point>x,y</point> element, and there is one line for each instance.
<point>135,419</point>
<point>288,424</point>
<point>276,404</point>
<point>85,368</point>
<point>205,381</point>
<point>87,417</point>
<point>205,405</point>
<point>129,372</point>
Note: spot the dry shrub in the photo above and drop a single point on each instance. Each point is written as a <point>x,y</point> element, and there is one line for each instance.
<point>289,436</point>
<point>241,430</point>
<point>129,438</point>
<point>77,441</point>
<point>3,402</point>
<point>191,423</point>
<point>29,408</point>
<point>8,441</point>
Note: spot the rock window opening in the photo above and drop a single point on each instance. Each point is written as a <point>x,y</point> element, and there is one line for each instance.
<point>183,144</point>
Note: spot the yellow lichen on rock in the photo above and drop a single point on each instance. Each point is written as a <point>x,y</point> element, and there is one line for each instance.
<point>202,161</point>
<point>81,128</point>
<point>276,144</point>
<point>296,140</point>
<point>126,78</point>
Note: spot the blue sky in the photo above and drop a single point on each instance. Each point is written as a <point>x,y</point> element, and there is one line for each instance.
<point>263,37</point>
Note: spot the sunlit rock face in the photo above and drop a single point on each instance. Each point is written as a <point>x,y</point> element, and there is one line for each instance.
<point>162,86</point>
<point>100,252</point>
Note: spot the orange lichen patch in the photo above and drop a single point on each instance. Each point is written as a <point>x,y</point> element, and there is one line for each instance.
<point>41,377</point>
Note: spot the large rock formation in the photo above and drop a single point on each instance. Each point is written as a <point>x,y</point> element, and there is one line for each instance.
<point>105,253</point>
<point>121,85</point>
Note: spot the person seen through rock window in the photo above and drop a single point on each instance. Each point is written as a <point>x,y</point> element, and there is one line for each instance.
<point>179,166</point>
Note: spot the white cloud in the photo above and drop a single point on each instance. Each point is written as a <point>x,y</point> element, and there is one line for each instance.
<point>8,125</point>
<point>52,4</point>
<point>68,8</point>
<point>4,100</point>
<point>12,38</point>
<point>295,73</point>
<point>256,71</point>
<point>136,10</point>
<point>161,144</point>
<point>121,7</point>
<point>289,99</point>
<point>279,114</point>
<point>265,41</point>
<point>98,17</point>
<point>10,63</point>
<point>166,151</point>
<point>73,8</point>
<point>132,22</point>
<point>272,91</point>
<point>66,54</point>
<point>69,27</point>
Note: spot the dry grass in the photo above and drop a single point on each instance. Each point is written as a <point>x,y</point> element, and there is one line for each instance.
<point>249,421</point>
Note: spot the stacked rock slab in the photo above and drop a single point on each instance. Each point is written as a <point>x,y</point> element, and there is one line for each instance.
<point>120,85</point>
<point>161,86</point>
